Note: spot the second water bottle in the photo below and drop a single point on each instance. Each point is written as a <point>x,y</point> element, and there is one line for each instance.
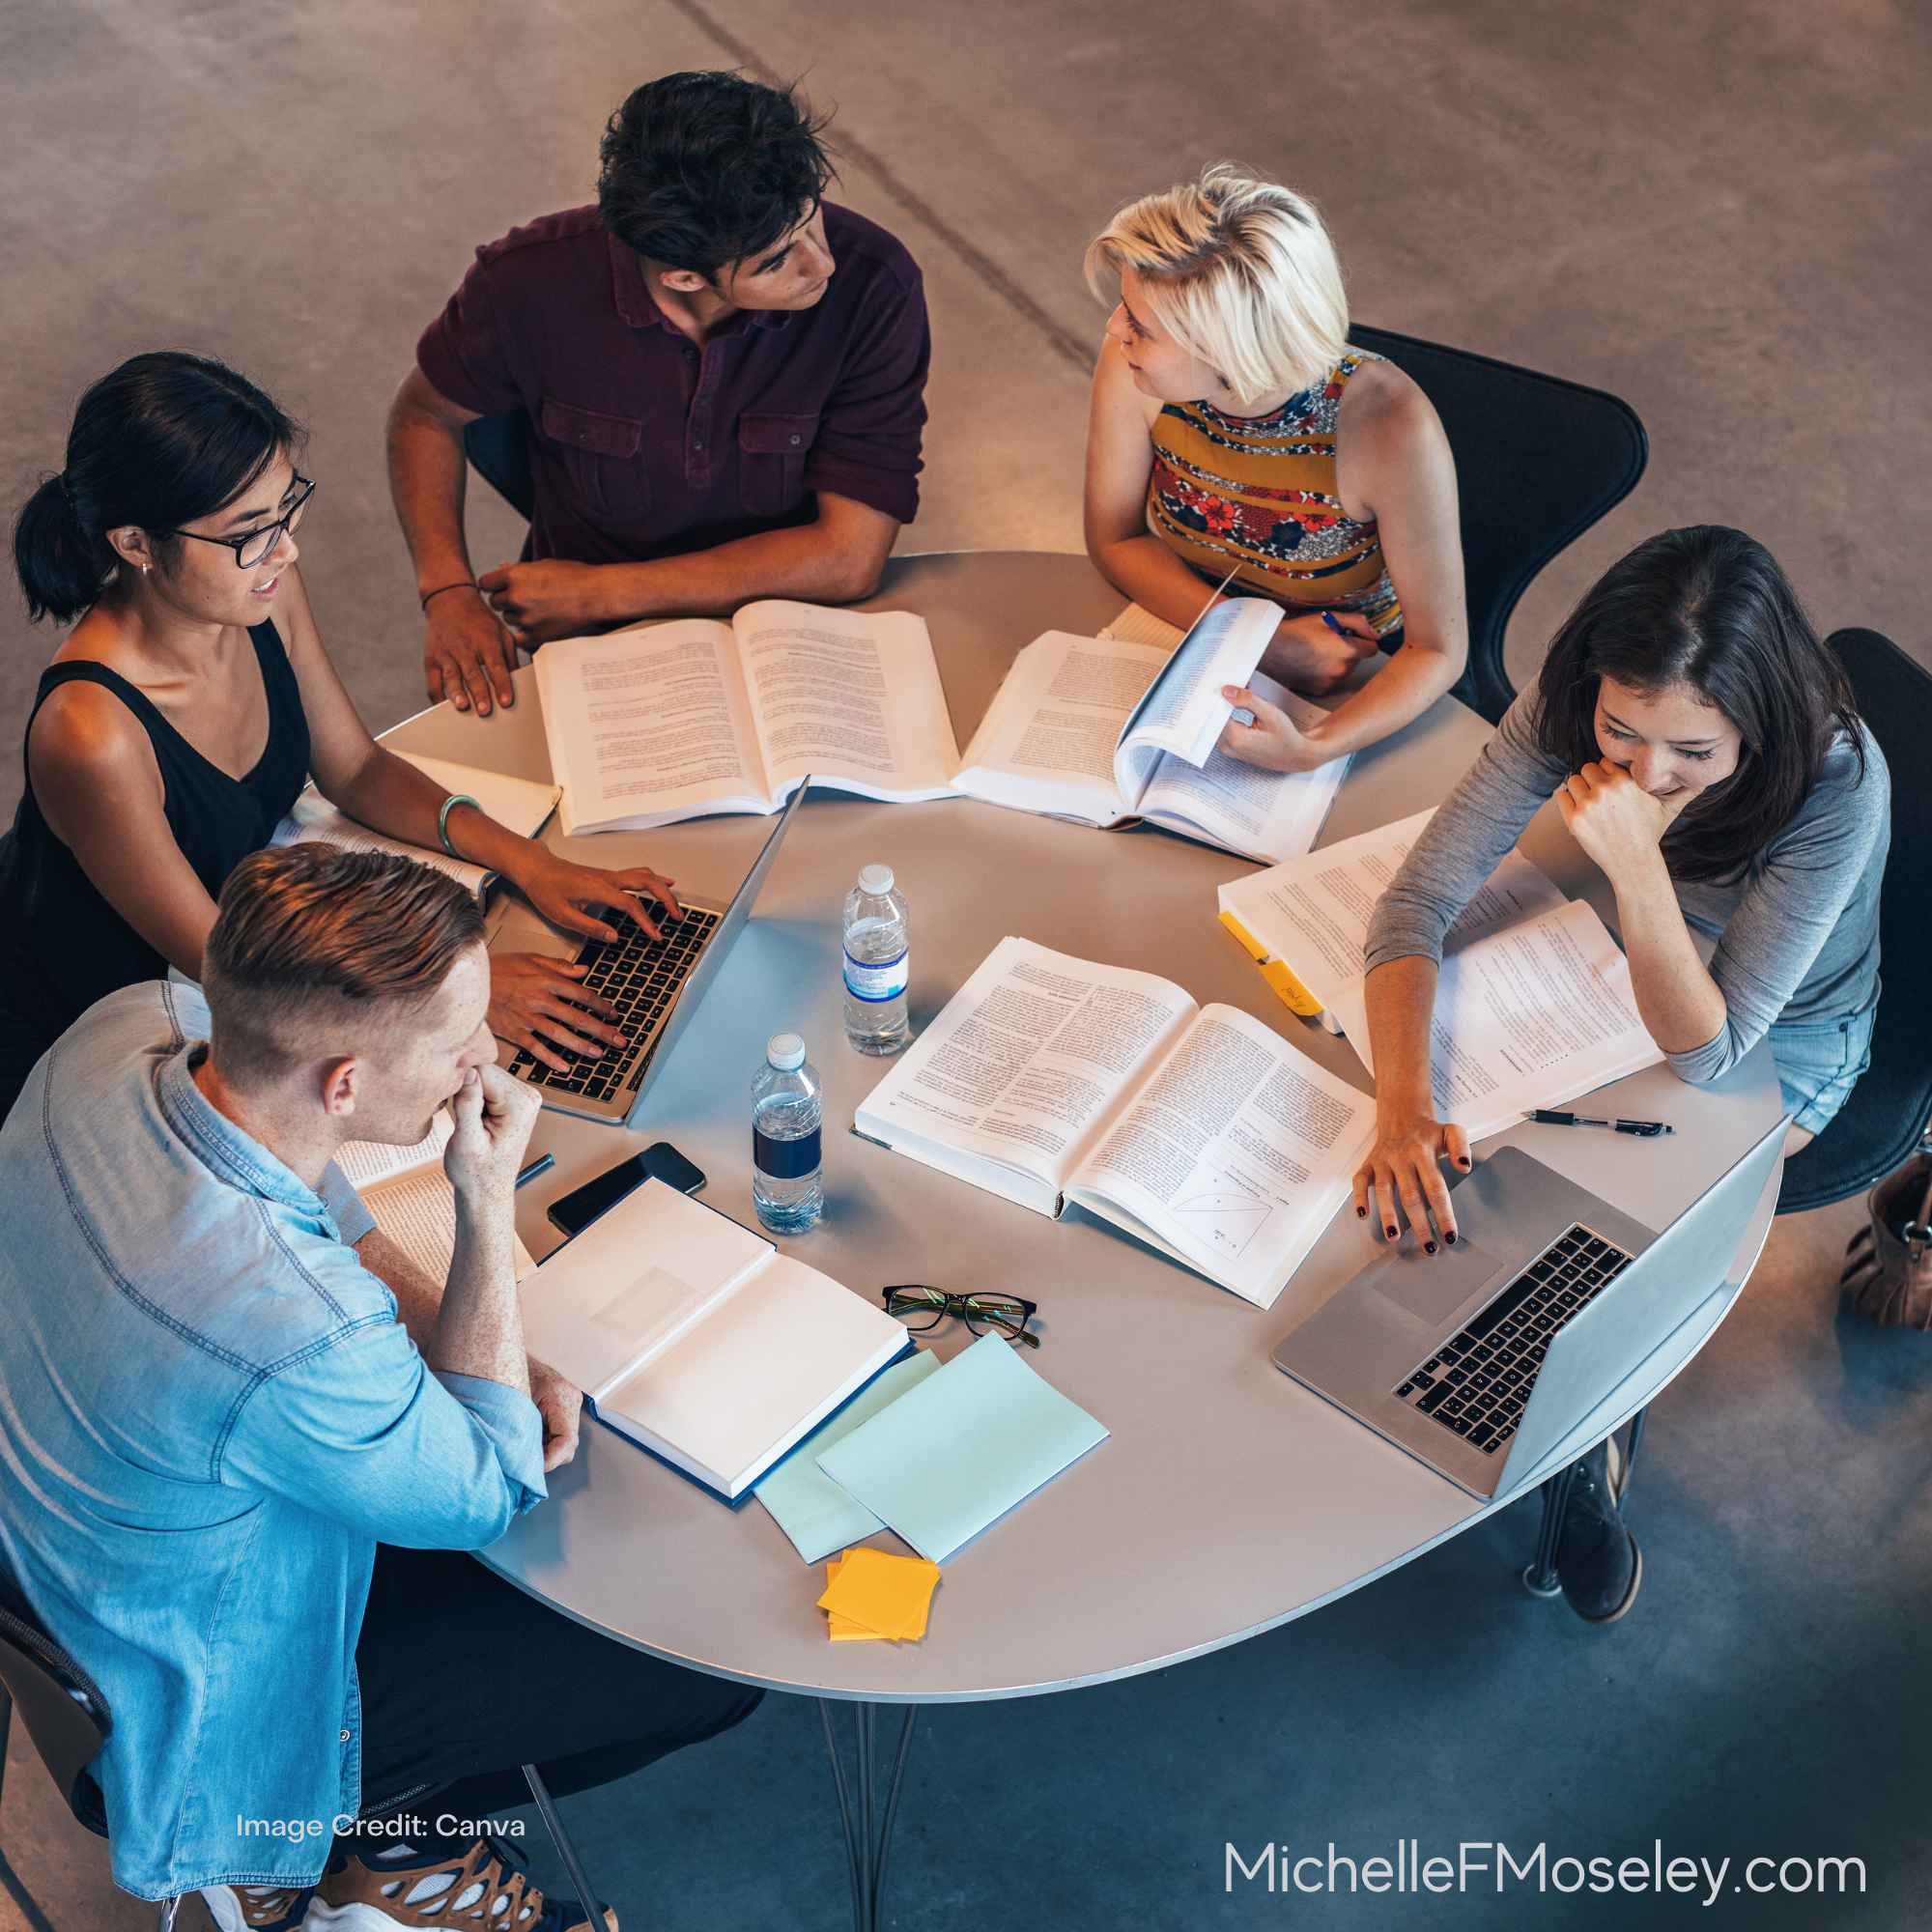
<point>878,963</point>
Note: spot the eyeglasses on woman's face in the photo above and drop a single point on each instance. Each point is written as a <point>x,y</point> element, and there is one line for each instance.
<point>257,546</point>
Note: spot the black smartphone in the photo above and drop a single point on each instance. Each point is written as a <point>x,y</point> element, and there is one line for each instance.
<point>575,1211</point>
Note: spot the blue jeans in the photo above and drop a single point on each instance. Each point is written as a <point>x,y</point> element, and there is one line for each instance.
<point>1819,1063</point>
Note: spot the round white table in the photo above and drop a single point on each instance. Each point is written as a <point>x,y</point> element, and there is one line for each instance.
<point>1228,1499</point>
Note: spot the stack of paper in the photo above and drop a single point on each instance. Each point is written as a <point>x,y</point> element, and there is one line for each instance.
<point>804,1501</point>
<point>956,1453</point>
<point>871,1594</point>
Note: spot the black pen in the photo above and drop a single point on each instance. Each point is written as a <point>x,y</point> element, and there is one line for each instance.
<point>543,1163</point>
<point>1649,1129</point>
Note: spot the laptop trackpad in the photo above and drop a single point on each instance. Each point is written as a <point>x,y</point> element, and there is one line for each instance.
<point>1431,1288</point>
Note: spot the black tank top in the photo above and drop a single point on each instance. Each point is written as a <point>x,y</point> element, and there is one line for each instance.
<point>61,946</point>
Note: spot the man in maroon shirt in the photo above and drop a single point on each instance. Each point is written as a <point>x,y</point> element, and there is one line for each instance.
<point>723,379</point>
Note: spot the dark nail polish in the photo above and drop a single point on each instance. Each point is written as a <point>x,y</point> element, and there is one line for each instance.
<point>1390,1232</point>
<point>1428,1247</point>
<point>1450,1237</point>
<point>1463,1165</point>
<point>1361,1213</point>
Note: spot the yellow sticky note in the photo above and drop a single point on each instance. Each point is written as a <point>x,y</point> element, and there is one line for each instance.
<point>890,1595</point>
<point>843,1629</point>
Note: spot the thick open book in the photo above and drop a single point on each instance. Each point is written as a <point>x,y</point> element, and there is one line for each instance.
<point>1533,1003</point>
<point>1055,1081</point>
<point>697,1339</point>
<point>405,1189</point>
<point>666,721</point>
<point>518,804</point>
<point>1113,729</point>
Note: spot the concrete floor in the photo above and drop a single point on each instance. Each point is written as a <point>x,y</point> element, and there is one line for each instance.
<point>1716,211</point>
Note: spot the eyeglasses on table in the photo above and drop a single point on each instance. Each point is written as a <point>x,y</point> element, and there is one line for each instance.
<point>922,1307</point>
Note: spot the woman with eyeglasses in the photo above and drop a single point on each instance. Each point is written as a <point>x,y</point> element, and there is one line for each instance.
<point>188,704</point>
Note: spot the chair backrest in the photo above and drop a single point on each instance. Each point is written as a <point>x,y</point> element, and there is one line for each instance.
<point>498,450</point>
<point>63,1709</point>
<point>1879,1124</point>
<point>1538,461</point>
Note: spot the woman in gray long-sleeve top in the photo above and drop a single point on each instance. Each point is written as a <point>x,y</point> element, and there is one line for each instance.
<point>1703,749</point>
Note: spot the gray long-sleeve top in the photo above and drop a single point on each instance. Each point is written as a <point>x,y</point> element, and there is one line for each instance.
<point>1797,936</point>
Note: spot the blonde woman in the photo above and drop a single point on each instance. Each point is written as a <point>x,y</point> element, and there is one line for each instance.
<point>1234,427</point>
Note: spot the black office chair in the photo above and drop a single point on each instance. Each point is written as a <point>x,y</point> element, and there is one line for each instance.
<point>498,450</point>
<point>1538,461</point>
<point>66,1716</point>
<point>1882,1122</point>
<point>69,1720</point>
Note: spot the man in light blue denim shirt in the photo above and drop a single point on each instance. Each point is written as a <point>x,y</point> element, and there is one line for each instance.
<point>211,1415</point>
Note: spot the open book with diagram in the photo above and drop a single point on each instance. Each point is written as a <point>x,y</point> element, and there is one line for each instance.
<point>1058,1082</point>
<point>409,1195</point>
<point>1110,730</point>
<point>1533,1000</point>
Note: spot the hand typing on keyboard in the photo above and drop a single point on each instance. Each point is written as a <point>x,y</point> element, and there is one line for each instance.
<point>543,1005</point>
<point>567,895</point>
<point>636,980</point>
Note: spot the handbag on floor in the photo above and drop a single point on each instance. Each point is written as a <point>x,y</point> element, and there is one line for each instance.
<point>1889,1261</point>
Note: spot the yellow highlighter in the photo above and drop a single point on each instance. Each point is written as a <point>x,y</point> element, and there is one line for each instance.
<point>1294,994</point>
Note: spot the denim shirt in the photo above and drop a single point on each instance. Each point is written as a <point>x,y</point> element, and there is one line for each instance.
<point>208,1417</point>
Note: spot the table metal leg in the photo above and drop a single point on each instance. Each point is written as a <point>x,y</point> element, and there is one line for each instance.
<point>868,1826</point>
<point>1630,1449</point>
<point>1540,1578</point>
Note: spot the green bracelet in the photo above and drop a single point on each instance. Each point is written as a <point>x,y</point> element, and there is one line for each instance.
<point>449,805</point>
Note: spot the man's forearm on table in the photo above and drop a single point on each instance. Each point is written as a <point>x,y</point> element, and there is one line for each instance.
<point>806,562</point>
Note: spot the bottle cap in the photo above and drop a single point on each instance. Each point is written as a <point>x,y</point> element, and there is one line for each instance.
<point>876,880</point>
<point>785,1051</point>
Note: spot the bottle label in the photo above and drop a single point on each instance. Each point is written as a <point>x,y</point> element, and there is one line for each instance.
<point>785,1160</point>
<point>875,980</point>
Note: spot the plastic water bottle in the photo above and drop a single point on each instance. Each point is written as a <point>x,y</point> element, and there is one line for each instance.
<point>877,963</point>
<point>787,1188</point>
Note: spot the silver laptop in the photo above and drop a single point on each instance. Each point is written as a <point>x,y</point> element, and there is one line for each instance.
<point>654,984</point>
<point>1481,1358</point>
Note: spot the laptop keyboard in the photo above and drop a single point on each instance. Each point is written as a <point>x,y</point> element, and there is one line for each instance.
<point>640,976</point>
<point>1477,1382</point>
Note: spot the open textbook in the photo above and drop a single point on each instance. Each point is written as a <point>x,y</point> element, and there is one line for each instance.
<point>697,1339</point>
<point>1533,1003</point>
<point>1196,1129</point>
<point>1110,729</point>
<point>405,1189</point>
<point>519,804</point>
<point>666,721</point>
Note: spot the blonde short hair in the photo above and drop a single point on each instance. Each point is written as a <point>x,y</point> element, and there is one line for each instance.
<point>1239,271</point>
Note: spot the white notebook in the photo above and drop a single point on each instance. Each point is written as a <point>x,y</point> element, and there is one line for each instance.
<point>697,1339</point>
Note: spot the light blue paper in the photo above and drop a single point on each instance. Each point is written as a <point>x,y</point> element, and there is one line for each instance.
<point>956,1453</point>
<point>806,1503</point>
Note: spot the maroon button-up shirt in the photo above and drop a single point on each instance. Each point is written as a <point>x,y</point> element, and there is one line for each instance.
<point>643,444</point>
